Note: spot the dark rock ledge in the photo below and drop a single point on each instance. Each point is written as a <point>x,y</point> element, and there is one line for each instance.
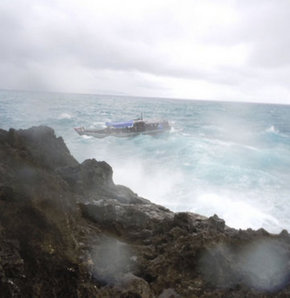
<point>66,230</point>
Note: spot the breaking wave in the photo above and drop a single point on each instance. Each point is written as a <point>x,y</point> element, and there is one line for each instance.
<point>221,158</point>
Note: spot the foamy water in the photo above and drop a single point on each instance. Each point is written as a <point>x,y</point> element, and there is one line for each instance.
<point>223,158</point>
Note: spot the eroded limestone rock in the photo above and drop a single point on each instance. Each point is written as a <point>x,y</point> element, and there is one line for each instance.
<point>66,230</point>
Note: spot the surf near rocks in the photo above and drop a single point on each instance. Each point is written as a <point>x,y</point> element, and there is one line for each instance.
<point>67,230</point>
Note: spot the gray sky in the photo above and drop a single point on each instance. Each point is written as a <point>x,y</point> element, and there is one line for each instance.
<point>199,49</point>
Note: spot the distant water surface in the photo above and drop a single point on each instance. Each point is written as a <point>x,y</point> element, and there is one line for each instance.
<point>229,159</point>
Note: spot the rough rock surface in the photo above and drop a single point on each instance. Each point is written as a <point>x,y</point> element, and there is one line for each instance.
<point>66,230</point>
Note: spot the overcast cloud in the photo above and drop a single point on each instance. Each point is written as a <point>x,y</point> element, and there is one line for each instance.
<point>199,49</point>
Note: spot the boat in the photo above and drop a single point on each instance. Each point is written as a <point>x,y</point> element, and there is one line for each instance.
<point>129,128</point>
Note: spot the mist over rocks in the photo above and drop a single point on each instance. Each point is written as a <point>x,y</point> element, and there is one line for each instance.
<point>66,230</point>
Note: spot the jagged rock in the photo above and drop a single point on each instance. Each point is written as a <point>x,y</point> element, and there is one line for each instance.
<point>88,177</point>
<point>216,223</point>
<point>119,217</point>
<point>66,230</point>
<point>42,146</point>
<point>168,293</point>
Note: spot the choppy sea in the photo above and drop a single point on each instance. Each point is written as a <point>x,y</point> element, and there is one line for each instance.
<point>229,159</point>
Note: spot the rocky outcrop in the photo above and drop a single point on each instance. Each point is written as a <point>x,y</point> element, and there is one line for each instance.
<point>66,230</point>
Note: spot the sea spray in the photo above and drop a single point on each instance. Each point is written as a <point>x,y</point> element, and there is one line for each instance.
<point>223,158</point>
<point>110,259</point>
<point>260,264</point>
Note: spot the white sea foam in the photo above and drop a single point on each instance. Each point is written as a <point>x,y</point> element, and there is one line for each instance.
<point>232,144</point>
<point>149,181</point>
<point>236,211</point>
<point>272,129</point>
<point>65,116</point>
<point>98,123</point>
<point>86,137</point>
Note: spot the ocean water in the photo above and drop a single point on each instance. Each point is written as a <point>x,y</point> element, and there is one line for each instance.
<point>229,159</point>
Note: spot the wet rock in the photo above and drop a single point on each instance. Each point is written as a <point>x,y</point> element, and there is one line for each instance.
<point>112,214</point>
<point>6,193</point>
<point>168,293</point>
<point>90,176</point>
<point>133,286</point>
<point>41,146</point>
<point>216,223</point>
<point>66,230</point>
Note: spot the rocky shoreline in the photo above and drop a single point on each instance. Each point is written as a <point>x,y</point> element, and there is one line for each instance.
<point>66,230</point>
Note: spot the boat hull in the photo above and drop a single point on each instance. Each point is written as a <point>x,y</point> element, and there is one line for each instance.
<point>127,129</point>
<point>117,133</point>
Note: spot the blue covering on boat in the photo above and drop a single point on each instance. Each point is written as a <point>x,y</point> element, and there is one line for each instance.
<point>120,124</point>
